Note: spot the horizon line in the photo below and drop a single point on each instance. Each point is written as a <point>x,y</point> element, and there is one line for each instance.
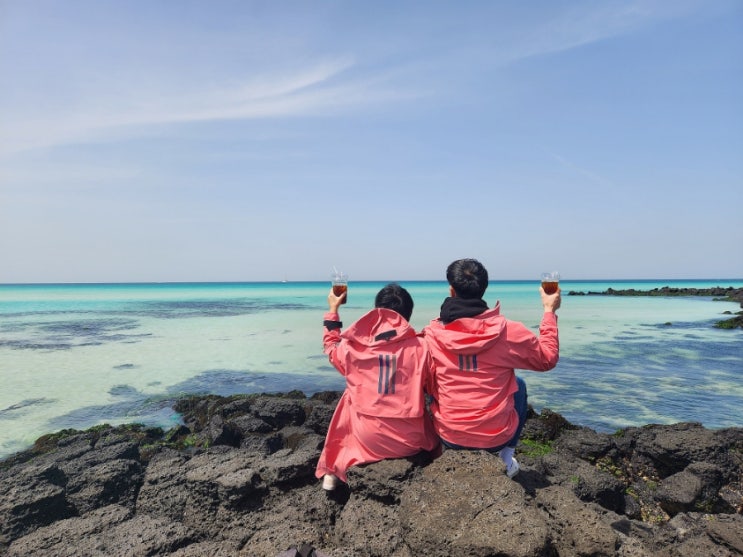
<point>309,281</point>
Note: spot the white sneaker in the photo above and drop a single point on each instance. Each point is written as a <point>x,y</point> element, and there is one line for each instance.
<point>513,468</point>
<point>329,481</point>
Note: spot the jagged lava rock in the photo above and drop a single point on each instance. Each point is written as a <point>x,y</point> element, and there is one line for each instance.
<point>237,479</point>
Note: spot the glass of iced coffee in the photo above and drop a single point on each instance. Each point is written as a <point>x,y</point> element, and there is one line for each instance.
<point>550,282</point>
<point>339,280</point>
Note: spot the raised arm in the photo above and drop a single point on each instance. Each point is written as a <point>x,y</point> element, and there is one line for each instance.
<point>537,353</point>
<point>332,332</point>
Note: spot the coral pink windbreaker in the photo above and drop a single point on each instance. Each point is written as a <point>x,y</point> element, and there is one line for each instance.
<point>474,362</point>
<point>382,411</point>
<point>384,362</point>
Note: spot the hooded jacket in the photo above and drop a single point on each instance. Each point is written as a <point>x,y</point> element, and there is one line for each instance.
<point>383,361</point>
<point>474,362</point>
<point>381,413</point>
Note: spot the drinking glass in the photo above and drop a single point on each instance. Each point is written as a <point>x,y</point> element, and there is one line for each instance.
<point>550,282</point>
<point>339,280</point>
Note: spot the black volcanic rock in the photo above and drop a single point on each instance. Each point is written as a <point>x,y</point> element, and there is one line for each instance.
<point>725,294</point>
<point>238,480</point>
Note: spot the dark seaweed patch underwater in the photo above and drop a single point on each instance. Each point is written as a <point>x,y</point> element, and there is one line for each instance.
<point>63,335</point>
<point>134,406</point>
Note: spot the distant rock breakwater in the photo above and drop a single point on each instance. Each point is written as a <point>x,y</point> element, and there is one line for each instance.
<point>718,293</point>
<point>238,479</point>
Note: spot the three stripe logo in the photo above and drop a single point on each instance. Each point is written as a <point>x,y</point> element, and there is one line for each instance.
<point>468,362</point>
<point>387,372</point>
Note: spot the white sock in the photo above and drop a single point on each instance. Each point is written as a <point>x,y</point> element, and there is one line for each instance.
<point>506,454</point>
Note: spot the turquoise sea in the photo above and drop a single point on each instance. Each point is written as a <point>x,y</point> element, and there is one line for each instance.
<point>77,355</point>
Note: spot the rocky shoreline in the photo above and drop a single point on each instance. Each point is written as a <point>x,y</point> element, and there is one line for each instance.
<point>237,479</point>
<point>718,293</point>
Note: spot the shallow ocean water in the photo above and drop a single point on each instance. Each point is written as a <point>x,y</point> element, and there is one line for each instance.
<point>80,355</point>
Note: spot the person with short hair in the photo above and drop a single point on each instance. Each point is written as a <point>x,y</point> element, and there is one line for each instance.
<point>478,401</point>
<point>382,412</point>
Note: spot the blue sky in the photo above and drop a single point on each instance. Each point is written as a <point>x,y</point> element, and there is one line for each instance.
<point>262,140</point>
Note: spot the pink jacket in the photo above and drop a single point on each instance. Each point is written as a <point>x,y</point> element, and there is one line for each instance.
<point>474,361</point>
<point>381,413</point>
<point>382,356</point>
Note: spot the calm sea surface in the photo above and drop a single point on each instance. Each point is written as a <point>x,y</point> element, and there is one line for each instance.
<point>73,356</point>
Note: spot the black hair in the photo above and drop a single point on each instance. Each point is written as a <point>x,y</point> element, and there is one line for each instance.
<point>468,278</point>
<point>395,297</point>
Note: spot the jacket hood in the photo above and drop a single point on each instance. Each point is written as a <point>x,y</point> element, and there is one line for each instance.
<point>378,327</point>
<point>469,335</point>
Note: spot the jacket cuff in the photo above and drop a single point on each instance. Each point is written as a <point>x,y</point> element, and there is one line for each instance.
<point>331,321</point>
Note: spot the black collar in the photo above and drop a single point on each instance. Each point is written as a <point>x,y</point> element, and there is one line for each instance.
<point>454,308</point>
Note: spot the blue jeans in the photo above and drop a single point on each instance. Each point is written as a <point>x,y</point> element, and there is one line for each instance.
<point>519,400</point>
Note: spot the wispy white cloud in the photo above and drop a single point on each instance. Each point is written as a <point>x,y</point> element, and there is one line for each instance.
<point>318,89</point>
<point>593,178</point>
<point>581,24</point>
<point>130,101</point>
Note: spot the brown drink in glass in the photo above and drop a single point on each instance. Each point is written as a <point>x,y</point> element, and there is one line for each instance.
<point>339,290</point>
<point>340,285</point>
<point>550,282</point>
